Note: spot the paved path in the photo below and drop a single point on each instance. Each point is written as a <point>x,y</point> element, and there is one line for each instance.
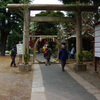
<point>50,83</point>
<point>40,56</point>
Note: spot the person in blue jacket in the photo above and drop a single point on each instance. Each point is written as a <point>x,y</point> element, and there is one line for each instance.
<point>13,55</point>
<point>63,56</point>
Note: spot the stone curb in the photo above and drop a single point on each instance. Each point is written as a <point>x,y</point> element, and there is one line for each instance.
<point>38,90</point>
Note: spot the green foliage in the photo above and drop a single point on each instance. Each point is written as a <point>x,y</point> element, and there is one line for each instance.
<point>69,26</point>
<point>97,16</point>
<point>26,56</point>
<point>96,2</point>
<point>74,1</point>
<point>88,55</point>
<point>10,21</point>
<point>53,46</point>
<point>81,55</point>
<point>47,28</point>
<point>13,39</point>
<point>50,14</point>
<point>88,2</point>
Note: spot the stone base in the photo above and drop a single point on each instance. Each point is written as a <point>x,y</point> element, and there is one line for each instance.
<point>79,67</point>
<point>25,68</point>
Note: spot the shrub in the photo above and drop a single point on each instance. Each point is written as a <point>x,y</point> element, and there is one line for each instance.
<point>86,55</point>
<point>26,56</point>
<point>81,55</point>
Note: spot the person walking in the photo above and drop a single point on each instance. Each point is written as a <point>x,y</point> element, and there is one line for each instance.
<point>63,56</point>
<point>38,45</point>
<point>47,55</point>
<point>72,52</point>
<point>13,55</point>
<point>44,47</point>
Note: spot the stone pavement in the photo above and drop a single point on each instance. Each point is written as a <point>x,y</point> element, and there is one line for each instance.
<point>50,83</point>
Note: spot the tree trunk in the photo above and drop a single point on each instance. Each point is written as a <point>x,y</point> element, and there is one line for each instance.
<point>3,43</point>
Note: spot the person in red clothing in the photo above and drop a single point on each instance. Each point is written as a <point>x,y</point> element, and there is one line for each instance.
<point>48,55</point>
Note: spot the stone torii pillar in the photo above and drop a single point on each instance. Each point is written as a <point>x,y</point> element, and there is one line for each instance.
<point>26,31</point>
<point>78,34</point>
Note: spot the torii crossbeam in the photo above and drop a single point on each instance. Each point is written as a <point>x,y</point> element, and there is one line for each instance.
<point>68,7</point>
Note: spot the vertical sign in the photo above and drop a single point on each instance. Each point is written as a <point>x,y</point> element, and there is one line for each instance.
<point>97,44</point>
<point>19,49</point>
<point>97,40</point>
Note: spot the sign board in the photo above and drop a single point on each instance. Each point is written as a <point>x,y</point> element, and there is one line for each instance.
<point>19,49</point>
<point>97,40</point>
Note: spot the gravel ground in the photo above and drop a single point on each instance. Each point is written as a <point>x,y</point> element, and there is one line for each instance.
<point>89,75</point>
<point>14,85</point>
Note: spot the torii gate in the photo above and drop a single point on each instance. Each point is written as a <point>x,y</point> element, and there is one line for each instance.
<point>27,7</point>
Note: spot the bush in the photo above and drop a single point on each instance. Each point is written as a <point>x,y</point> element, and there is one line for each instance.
<point>86,55</point>
<point>81,55</point>
<point>26,56</point>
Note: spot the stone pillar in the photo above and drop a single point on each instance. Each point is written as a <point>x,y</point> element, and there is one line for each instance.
<point>78,34</point>
<point>26,31</point>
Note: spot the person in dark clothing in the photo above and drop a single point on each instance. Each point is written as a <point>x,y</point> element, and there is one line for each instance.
<point>63,56</point>
<point>47,56</point>
<point>13,55</point>
<point>38,45</point>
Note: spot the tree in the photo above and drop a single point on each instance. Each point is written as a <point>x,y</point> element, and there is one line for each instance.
<point>10,21</point>
<point>88,18</point>
<point>13,39</point>
<point>95,2</point>
<point>47,28</point>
